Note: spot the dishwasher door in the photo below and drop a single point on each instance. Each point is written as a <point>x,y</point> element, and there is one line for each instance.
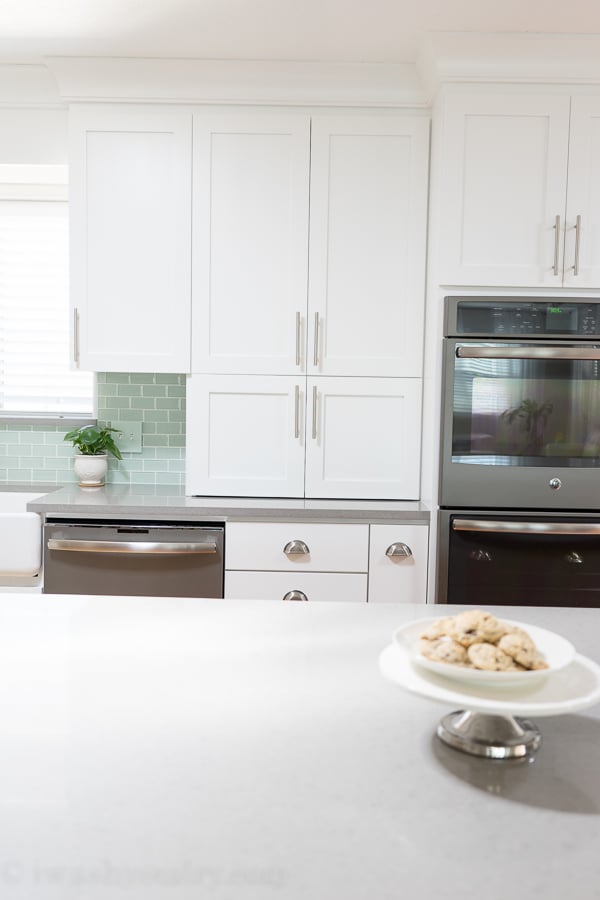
<point>133,559</point>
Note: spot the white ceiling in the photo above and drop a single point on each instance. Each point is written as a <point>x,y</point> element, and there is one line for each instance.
<point>385,31</point>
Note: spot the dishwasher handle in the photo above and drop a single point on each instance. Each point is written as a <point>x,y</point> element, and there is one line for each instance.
<point>164,548</point>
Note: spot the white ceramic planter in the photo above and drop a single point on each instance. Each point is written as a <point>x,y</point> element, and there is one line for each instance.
<point>91,470</point>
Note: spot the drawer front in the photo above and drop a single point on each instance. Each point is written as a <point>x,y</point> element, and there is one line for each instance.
<point>398,578</point>
<point>262,546</point>
<point>315,586</point>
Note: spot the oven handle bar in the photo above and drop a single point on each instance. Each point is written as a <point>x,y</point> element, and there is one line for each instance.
<point>165,548</point>
<point>486,525</point>
<point>528,352</point>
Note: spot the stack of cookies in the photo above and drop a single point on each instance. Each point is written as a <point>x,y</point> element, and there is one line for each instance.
<point>477,640</point>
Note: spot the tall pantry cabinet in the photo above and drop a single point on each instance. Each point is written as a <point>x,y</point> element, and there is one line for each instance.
<point>308,267</point>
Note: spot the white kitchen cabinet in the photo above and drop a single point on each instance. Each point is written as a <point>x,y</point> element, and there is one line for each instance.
<point>265,436</point>
<point>130,188</point>
<point>363,438</point>
<point>368,220</point>
<point>296,561</point>
<point>245,436</point>
<point>250,246</point>
<point>503,188</point>
<point>312,586</point>
<point>398,557</point>
<point>582,219</point>
<point>256,309</point>
<point>519,189</point>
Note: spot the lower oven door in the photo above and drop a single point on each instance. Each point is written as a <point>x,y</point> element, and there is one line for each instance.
<point>134,560</point>
<point>519,560</point>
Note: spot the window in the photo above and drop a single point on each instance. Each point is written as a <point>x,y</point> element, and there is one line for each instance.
<point>35,375</point>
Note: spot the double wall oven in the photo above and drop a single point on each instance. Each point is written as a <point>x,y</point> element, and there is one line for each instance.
<point>520,452</point>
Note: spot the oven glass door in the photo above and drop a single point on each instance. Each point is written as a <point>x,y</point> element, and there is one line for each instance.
<point>528,561</point>
<point>514,406</point>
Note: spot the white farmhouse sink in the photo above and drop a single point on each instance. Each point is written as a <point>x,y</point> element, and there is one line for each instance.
<point>20,537</point>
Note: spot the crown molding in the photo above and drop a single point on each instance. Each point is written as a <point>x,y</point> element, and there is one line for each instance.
<point>236,82</point>
<point>471,57</point>
<point>28,85</point>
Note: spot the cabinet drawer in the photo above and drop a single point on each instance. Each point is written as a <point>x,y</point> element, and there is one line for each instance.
<point>314,586</point>
<point>401,578</point>
<point>331,548</point>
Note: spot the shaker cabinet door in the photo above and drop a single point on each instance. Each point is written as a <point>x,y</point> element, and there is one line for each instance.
<point>582,221</point>
<point>398,559</point>
<point>130,184</point>
<point>368,220</point>
<point>363,438</point>
<point>245,436</point>
<point>503,183</point>
<point>250,244</point>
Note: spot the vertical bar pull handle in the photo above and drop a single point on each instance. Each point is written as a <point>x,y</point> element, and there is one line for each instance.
<point>76,336</point>
<point>316,341</point>
<point>577,243</point>
<point>298,358</point>
<point>556,244</point>
<point>297,411</point>
<point>314,414</point>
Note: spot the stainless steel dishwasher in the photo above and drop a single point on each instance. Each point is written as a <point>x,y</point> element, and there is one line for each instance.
<point>158,559</point>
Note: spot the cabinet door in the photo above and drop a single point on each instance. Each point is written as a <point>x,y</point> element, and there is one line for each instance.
<point>398,563</point>
<point>368,213</point>
<point>363,438</point>
<point>130,187</point>
<point>250,223</point>
<point>503,189</point>
<point>302,586</point>
<point>245,436</point>
<point>582,251</point>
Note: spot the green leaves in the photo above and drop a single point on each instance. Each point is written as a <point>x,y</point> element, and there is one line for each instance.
<point>91,440</point>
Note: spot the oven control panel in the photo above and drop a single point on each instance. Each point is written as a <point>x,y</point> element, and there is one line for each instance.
<point>515,317</point>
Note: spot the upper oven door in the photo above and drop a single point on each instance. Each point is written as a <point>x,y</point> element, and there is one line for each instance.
<point>521,425</point>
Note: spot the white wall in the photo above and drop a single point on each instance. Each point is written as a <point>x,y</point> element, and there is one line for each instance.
<point>33,119</point>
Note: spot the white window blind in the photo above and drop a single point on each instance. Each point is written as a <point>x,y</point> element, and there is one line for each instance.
<point>35,378</point>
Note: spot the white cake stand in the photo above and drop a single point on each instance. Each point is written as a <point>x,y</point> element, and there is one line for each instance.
<point>494,722</point>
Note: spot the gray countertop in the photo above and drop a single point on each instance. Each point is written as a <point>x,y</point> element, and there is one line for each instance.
<point>140,501</point>
<point>242,750</point>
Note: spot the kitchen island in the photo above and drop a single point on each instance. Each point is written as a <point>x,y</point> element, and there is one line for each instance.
<point>164,748</point>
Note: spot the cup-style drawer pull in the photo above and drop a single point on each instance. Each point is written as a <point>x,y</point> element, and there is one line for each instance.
<point>395,550</point>
<point>294,595</point>
<point>296,548</point>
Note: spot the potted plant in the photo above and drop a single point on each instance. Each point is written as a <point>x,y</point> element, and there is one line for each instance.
<point>93,443</point>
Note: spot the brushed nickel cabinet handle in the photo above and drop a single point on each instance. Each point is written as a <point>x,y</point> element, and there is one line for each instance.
<point>577,244</point>
<point>398,549</point>
<point>556,243</point>
<point>314,414</point>
<point>76,336</point>
<point>298,329</point>
<point>316,341</point>
<point>297,411</point>
<point>294,595</point>
<point>296,548</point>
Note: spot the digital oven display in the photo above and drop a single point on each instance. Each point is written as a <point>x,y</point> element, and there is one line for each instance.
<point>561,318</point>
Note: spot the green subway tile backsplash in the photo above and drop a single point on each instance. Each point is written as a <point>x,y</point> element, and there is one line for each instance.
<point>37,453</point>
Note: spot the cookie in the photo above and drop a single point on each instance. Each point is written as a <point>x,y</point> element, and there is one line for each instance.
<point>474,626</point>
<point>444,650</point>
<point>440,628</point>
<point>490,658</point>
<point>520,647</point>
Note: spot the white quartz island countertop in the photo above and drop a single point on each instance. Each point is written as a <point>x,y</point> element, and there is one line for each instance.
<point>245,750</point>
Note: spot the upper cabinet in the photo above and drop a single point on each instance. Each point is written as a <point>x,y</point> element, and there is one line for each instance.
<point>368,225</point>
<point>250,247</point>
<point>519,180</point>
<point>130,188</point>
<point>346,300</point>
